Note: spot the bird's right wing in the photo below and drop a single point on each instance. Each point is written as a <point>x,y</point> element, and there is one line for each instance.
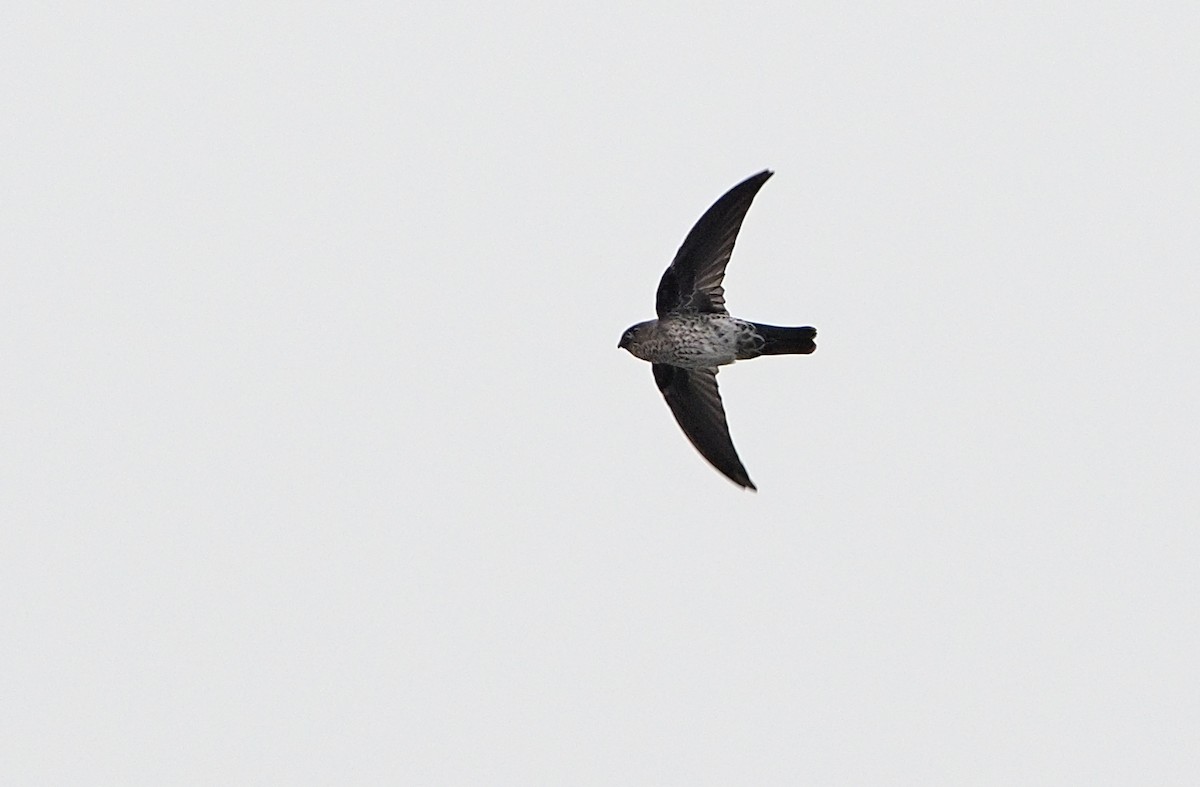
<point>693,397</point>
<point>693,282</point>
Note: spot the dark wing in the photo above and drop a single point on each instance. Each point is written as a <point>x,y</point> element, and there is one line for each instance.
<point>693,282</point>
<point>693,397</point>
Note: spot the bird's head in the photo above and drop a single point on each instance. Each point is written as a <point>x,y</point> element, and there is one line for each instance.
<point>631,336</point>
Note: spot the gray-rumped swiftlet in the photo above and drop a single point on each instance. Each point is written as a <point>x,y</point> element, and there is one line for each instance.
<point>694,334</point>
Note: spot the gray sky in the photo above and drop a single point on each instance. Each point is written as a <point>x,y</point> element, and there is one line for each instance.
<point>320,463</point>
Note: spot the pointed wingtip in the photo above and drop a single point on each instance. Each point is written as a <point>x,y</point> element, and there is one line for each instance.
<point>742,481</point>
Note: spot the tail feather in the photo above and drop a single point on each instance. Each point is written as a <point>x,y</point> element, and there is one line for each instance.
<point>786,341</point>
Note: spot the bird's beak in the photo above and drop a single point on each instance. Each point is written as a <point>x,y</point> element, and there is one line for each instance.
<point>621,345</point>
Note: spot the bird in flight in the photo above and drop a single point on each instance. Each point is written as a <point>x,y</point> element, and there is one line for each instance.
<point>694,334</point>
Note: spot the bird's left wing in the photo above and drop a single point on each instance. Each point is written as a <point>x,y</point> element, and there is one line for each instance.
<point>693,397</point>
<point>693,282</point>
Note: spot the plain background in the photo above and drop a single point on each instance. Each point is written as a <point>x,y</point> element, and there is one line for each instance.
<point>320,463</point>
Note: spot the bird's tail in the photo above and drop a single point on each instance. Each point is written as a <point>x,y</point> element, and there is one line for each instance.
<point>786,341</point>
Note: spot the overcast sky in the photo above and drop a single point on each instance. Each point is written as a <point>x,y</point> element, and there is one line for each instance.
<point>319,462</point>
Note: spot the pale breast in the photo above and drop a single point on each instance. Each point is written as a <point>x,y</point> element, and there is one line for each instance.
<point>699,340</point>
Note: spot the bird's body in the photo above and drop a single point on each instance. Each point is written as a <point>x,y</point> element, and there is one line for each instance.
<point>694,334</point>
<point>694,341</point>
<point>701,341</point>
